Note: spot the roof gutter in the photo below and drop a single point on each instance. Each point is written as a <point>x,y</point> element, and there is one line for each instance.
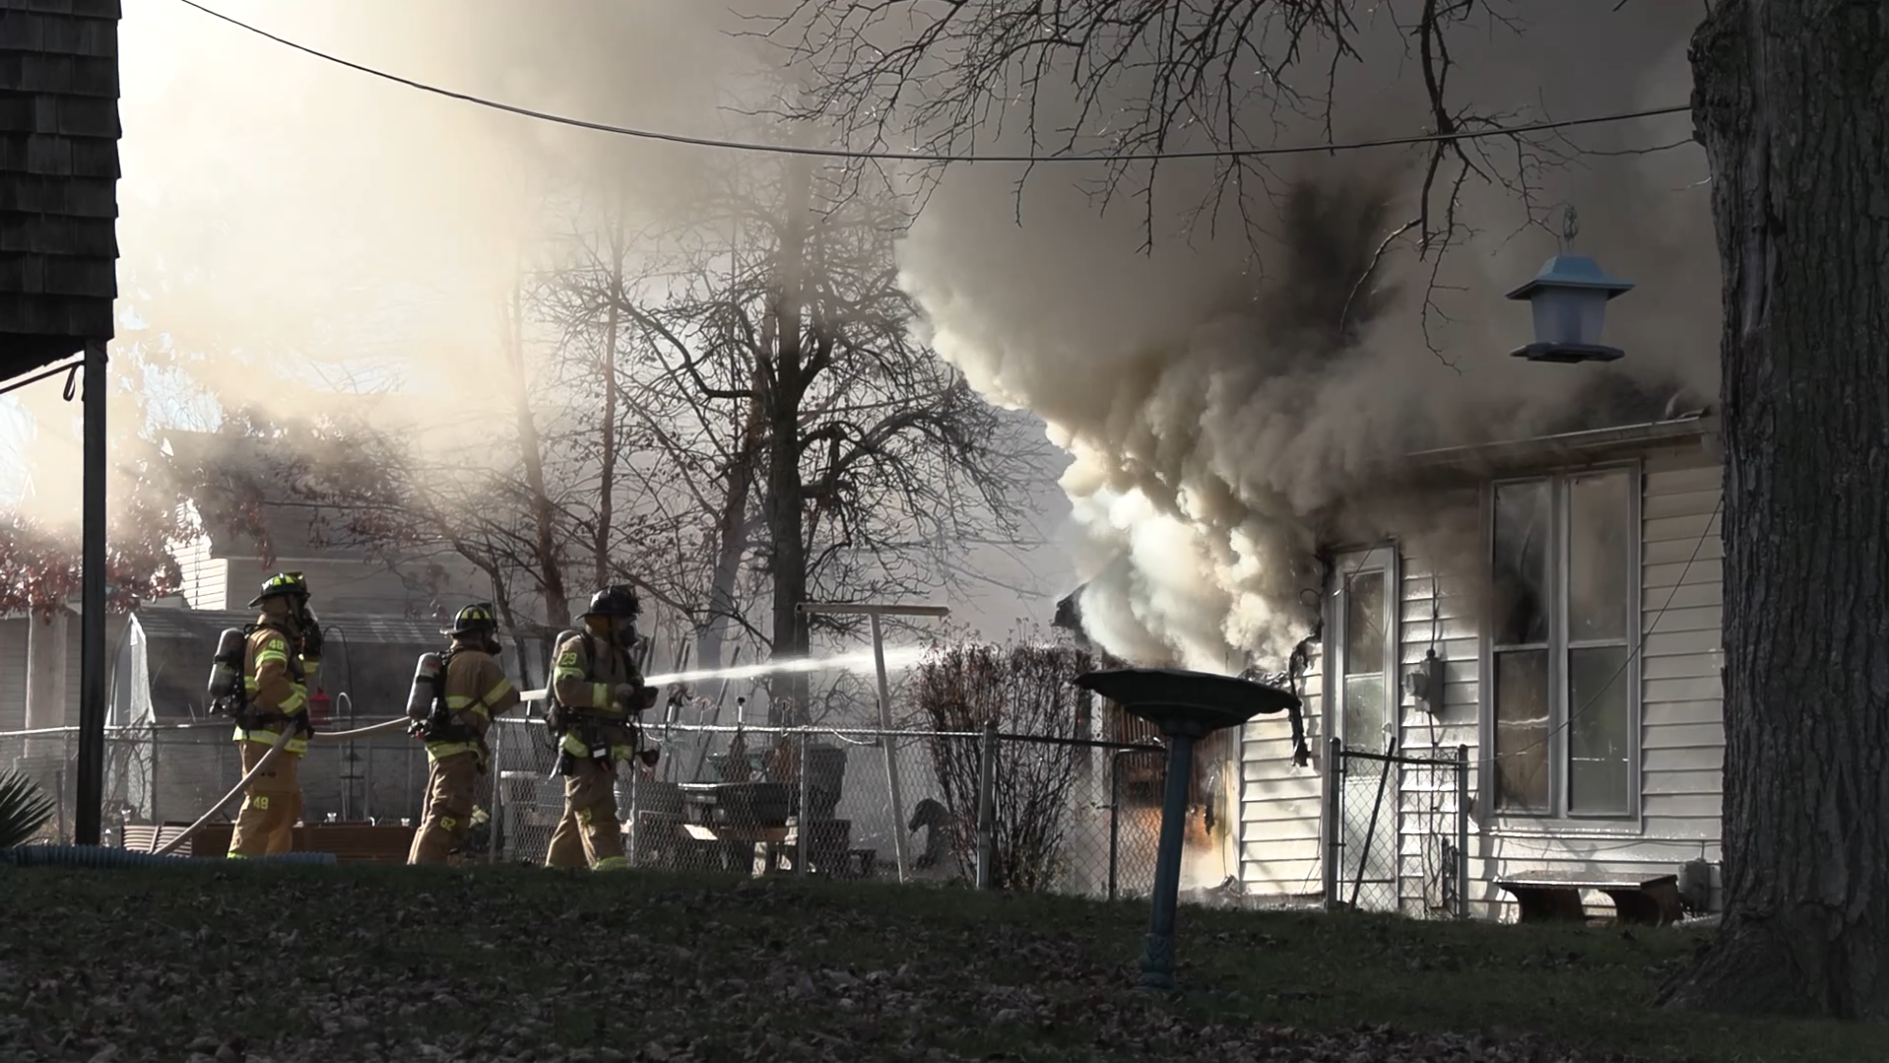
<point>1569,448</point>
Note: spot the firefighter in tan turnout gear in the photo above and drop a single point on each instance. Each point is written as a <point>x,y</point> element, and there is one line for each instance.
<point>596,695</point>
<point>280,658</point>
<point>452,703</point>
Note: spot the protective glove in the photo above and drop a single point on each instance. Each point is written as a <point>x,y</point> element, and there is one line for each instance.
<point>626,697</point>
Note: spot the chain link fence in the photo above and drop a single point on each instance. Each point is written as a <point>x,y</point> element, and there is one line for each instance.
<point>1066,815</point>
<point>1398,832</point>
<point>730,799</point>
<point>169,774</point>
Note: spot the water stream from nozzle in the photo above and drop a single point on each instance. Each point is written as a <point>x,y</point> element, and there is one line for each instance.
<point>860,661</point>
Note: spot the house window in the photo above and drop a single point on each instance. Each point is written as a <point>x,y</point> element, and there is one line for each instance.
<point>1560,633</point>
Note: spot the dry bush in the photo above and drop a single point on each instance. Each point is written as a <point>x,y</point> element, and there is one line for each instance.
<point>1026,690</point>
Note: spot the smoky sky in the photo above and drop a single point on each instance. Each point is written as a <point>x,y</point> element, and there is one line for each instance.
<point>1215,414</point>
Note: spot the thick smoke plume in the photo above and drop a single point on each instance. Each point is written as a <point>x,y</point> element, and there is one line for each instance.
<point>1222,425</point>
<point>294,233</point>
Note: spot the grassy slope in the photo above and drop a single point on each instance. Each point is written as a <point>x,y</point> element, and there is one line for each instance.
<point>506,963</point>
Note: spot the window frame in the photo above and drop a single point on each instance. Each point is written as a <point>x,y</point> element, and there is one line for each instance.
<point>1558,817</point>
<point>1385,557</point>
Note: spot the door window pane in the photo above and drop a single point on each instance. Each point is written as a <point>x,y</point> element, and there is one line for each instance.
<point>1600,775</point>
<point>1597,556</point>
<point>1364,712</point>
<point>1520,584</point>
<point>1521,730</point>
<point>1364,624</point>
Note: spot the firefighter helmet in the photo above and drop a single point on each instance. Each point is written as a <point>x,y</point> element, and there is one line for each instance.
<point>474,620</point>
<point>282,585</point>
<point>616,600</point>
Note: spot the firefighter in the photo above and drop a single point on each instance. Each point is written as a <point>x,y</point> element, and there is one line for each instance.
<point>280,660</point>
<point>596,693</point>
<point>471,689</point>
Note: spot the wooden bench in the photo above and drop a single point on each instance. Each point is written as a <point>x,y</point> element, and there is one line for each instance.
<point>1550,895</point>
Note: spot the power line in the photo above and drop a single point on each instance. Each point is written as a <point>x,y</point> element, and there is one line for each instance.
<point>939,157</point>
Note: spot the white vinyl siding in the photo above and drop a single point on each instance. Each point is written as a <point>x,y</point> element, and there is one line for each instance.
<point>1280,809</point>
<point>1681,731</point>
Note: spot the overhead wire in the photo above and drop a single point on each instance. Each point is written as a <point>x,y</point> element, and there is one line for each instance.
<point>884,155</point>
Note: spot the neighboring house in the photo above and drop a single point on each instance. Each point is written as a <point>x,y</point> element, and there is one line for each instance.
<point>223,568</point>
<point>1570,586</point>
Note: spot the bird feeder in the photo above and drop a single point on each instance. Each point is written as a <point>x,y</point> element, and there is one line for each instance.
<point>1186,706</point>
<point>1569,297</point>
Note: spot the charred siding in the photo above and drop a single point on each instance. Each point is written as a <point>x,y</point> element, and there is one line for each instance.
<point>59,134</point>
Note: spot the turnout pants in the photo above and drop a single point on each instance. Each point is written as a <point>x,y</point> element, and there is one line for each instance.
<point>271,804</point>
<point>452,788</point>
<point>589,833</point>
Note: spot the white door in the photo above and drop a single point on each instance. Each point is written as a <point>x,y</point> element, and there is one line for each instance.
<point>1361,619</point>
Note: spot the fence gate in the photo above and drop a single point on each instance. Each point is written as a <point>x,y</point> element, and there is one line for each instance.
<point>1397,831</point>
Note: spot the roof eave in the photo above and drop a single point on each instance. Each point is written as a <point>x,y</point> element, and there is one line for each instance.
<point>1568,448</point>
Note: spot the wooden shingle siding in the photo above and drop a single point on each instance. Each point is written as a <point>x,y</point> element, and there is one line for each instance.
<point>59,133</point>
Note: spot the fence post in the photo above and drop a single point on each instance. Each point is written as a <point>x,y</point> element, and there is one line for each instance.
<point>803,824</point>
<point>888,740</point>
<point>151,787</point>
<point>1334,821</point>
<point>987,807</point>
<point>1462,832</point>
<point>495,816</point>
<point>1114,817</point>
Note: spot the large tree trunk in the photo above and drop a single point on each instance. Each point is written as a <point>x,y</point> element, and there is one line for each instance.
<point>731,541</point>
<point>607,474</point>
<point>1792,104</point>
<point>557,607</point>
<point>785,501</point>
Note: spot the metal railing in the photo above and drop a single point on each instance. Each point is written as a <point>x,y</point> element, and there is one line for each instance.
<point>1397,832</point>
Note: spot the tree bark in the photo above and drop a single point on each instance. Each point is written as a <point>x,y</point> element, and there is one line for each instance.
<point>1791,101</point>
<point>606,479</point>
<point>785,500</point>
<point>731,541</point>
<point>557,607</point>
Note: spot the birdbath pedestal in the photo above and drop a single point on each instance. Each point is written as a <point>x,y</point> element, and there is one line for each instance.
<point>1186,706</point>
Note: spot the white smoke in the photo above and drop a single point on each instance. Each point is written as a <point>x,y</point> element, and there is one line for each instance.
<point>1219,432</point>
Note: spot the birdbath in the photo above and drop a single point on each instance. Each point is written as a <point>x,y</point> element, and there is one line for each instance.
<point>1186,706</point>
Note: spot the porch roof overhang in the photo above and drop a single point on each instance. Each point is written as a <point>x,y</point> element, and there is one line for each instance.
<point>1587,447</point>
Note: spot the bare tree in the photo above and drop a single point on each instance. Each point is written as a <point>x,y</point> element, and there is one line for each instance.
<point>1143,83</point>
<point>867,460</point>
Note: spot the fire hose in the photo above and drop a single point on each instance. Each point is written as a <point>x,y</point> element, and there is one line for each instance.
<point>275,750</point>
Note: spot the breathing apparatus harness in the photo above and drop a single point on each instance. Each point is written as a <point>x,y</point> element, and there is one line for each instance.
<point>229,687</point>
<point>433,720</point>
<point>590,725</point>
<point>439,724</point>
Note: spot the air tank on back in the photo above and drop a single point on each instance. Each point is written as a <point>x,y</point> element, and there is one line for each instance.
<point>226,668</point>
<point>425,690</point>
